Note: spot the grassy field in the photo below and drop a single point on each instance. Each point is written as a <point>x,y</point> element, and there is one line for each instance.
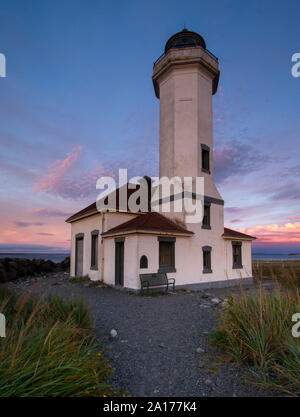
<point>49,349</point>
<point>256,330</point>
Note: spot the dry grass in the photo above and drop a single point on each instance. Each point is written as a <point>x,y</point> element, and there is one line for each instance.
<point>287,273</point>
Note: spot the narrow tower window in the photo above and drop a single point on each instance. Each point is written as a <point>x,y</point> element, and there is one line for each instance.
<point>205,158</point>
<point>206,217</point>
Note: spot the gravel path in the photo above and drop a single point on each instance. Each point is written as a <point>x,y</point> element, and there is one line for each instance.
<point>155,352</point>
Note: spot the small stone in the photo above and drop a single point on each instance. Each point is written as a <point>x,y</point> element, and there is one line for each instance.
<point>215,300</point>
<point>206,295</point>
<point>200,350</point>
<point>208,381</point>
<point>113,333</point>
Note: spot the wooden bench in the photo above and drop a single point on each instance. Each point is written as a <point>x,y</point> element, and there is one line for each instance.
<point>159,279</point>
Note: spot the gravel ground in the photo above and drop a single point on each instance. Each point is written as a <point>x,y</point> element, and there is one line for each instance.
<point>155,351</point>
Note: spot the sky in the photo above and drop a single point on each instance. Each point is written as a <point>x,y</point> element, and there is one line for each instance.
<point>78,103</point>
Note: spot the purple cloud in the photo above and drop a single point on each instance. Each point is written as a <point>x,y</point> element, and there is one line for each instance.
<point>237,158</point>
<point>44,212</point>
<point>27,224</point>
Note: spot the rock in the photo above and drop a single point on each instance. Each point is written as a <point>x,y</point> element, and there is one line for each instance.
<point>215,300</point>
<point>113,333</point>
<point>206,295</point>
<point>200,350</point>
<point>208,381</point>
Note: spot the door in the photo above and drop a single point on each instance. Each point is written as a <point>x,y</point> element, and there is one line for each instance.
<point>79,257</point>
<point>119,263</point>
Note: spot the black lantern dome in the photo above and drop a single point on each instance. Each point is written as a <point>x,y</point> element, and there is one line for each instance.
<point>185,38</point>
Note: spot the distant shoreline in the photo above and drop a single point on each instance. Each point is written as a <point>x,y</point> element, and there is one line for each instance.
<point>60,256</point>
<point>54,257</point>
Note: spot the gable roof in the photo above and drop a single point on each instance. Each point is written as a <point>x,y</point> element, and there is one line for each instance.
<point>92,208</point>
<point>151,221</point>
<point>87,211</point>
<point>233,234</point>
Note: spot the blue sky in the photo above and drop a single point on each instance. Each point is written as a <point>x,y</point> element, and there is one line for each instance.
<point>78,102</point>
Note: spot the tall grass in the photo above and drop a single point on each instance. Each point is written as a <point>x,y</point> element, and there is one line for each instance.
<point>256,330</point>
<point>49,349</point>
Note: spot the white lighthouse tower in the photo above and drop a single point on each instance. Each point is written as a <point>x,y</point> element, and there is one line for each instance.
<point>185,79</point>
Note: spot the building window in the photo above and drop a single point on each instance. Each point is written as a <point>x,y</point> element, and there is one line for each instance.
<point>205,158</point>
<point>237,255</point>
<point>206,217</point>
<point>166,254</point>
<point>94,249</point>
<point>144,262</point>
<point>206,259</point>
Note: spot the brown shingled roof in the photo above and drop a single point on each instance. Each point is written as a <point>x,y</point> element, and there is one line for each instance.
<point>229,233</point>
<point>151,221</point>
<point>92,208</point>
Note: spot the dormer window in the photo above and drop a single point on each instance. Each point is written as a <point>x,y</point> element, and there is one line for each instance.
<point>205,158</point>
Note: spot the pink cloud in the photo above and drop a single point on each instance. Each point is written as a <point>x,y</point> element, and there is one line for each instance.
<point>44,212</point>
<point>58,170</point>
<point>288,232</point>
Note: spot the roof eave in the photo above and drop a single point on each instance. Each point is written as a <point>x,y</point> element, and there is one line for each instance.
<point>143,231</point>
<point>70,220</point>
<point>238,238</point>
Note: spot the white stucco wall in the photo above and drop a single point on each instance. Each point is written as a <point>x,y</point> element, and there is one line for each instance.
<point>130,261</point>
<point>86,226</point>
<point>244,272</point>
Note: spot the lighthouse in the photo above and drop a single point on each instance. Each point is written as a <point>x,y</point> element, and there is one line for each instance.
<point>185,78</point>
<point>134,249</point>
